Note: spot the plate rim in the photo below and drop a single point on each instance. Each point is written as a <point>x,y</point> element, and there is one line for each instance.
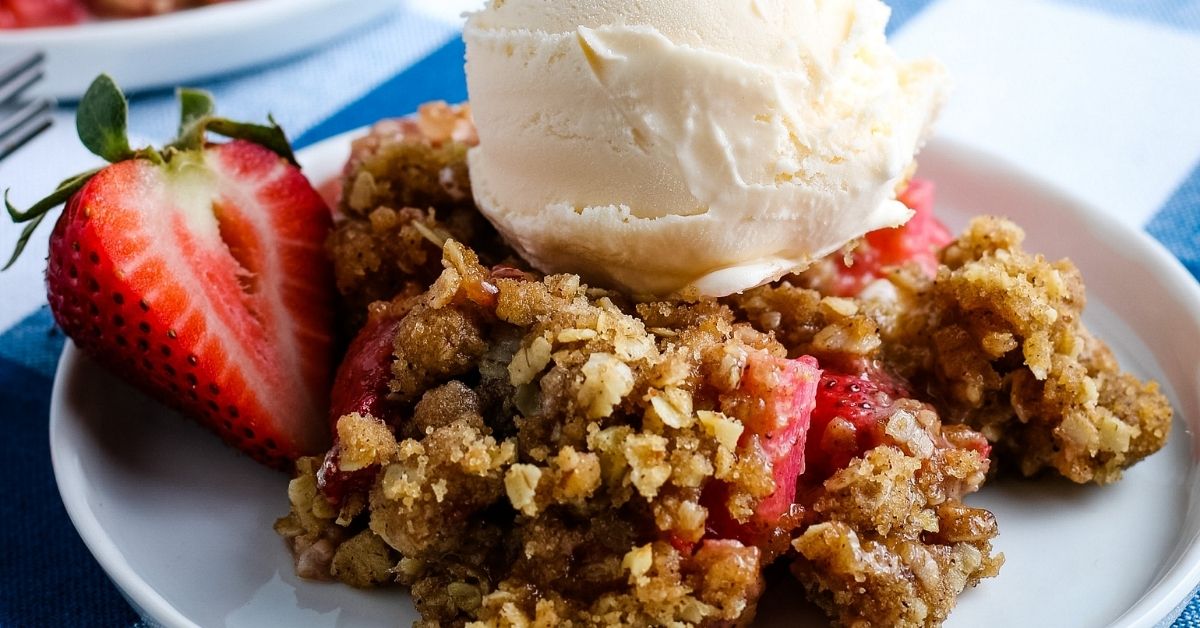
<point>1159,606</point>
<point>126,27</point>
<point>76,53</point>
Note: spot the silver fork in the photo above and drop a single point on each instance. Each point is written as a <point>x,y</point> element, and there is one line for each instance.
<point>22,119</point>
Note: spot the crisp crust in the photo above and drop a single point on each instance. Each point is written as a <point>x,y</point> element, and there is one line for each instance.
<point>579,498</point>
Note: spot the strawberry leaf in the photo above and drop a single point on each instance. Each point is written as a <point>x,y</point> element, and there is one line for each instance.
<point>102,120</point>
<point>197,118</point>
<point>195,105</point>
<point>56,198</point>
<point>36,214</point>
<point>270,136</point>
<point>23,240</point>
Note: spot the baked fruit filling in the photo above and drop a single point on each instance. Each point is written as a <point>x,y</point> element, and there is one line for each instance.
<point>519,449</point>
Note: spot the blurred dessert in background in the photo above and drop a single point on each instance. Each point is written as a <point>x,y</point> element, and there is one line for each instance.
<point>140,8</point>
<point>42,13</point>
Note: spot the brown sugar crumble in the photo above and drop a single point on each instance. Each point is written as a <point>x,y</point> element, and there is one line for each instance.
<point>405,191</point>
<point>996,342</point>
<point>555,454</point>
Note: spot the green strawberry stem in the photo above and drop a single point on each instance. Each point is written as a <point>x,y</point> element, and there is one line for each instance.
<point>102,122</point>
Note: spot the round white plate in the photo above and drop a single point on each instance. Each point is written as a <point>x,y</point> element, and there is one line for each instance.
<point>175,48</point>
<point>183,524</point>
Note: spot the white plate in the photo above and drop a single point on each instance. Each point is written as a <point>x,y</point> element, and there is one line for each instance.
<point>176,48</point>
<point>183,525</point>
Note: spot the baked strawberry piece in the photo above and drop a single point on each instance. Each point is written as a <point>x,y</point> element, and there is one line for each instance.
<point>774,403</point>
<point>140,8</point>
<point>846,421</point>
<point>776,399</point>
<point>917,241</point>
<point>360,387</point>
<point>196,273</point>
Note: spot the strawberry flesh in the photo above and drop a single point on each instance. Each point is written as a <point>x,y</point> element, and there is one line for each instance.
<point>203,282</point>
<point>918,241</point>
<point>854,400</point>
<point>361,386</point>
<point>774,401</point>
<point>846,421</point>
<point>853,404</point>
<point>780,395</point>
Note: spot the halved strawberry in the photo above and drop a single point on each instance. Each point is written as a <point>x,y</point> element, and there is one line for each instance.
<point>918,241</point>
<point>774,401</point>
<point>197,274</point>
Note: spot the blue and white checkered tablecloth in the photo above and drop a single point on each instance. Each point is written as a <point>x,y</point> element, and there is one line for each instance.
<point>1100,96</point>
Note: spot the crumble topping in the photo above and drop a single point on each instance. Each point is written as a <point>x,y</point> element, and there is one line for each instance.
<point>997,342</point>
<point>1004,348</point>
<point>562,455</point>
<point>405,191</point>
<point>600,480</point>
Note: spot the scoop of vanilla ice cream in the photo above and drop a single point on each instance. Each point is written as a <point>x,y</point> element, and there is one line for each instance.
<point>714,144</point>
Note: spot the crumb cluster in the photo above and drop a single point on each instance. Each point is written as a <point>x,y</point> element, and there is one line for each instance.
<point>405,190</point>
<point>1006,352</point>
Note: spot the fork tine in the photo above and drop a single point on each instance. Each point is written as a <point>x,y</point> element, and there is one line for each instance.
<point>22,121</point>
<point>14,117</point>
<point>17,84</point>
<point>24,124</point>
<point>18,74</point>
<point>19,64</point>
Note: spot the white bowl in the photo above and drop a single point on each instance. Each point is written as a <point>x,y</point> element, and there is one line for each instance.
<point>183,524</point>
<point>176,48</point>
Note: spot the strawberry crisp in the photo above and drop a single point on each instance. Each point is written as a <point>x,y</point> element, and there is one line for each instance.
<point>527,450</point>
<point>44,13</point>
